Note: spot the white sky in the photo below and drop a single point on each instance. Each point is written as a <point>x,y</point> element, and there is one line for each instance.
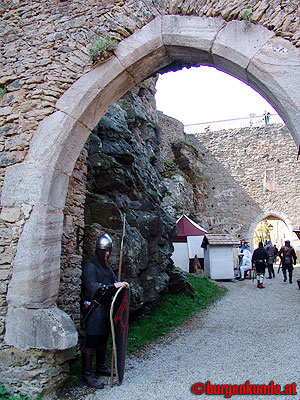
<point>204,94</point>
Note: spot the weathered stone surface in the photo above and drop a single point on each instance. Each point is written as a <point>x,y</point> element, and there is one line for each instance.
<point>143,52</point>
<point>190,38</point>
<point>236,44</point>
<point>35,276</point>
<point>54,139</point>
<point>34,184</point>
<point>10,214</point>
<point>86,91</point>
<point>49,329</point>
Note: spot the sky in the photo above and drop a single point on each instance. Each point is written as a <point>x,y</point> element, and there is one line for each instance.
<point>204,94</point>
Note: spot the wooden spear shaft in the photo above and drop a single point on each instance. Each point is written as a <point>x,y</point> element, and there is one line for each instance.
<point>119,279</point>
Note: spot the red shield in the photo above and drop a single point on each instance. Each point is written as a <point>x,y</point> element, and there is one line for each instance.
<point>119,313</point>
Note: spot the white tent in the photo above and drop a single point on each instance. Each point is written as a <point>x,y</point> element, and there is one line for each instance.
<point>187,244</point>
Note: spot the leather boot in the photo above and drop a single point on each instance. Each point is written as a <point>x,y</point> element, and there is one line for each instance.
<point>258,284</point>
<point>87,376</point>
<point>101,367</point>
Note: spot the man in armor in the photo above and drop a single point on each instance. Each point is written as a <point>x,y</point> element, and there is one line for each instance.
<point>272,254</point>
<point>99,282</point>
<point>259,260</point>
<point>287,255</point>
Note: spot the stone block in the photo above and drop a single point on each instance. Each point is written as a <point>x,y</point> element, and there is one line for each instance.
<point>33,184</point>
<point>48,329</point>
<point>143,52</point>
<point>5,111</point>
<point>236,44</point>
<point>57,142</point>
<point>36,272</point>
<point>4,274</point>
<point>275,72</point>
<point>105,98</point>
<point>9,158</point>
<point>13,357</point>
<point>10,214</point>
<point>189,38</point>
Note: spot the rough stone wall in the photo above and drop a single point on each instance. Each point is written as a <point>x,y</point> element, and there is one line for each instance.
<point>172,131</point>
<point>237,163</point>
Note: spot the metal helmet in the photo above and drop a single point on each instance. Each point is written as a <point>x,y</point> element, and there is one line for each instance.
<point>287,243</point>
<point>104,242</point>
<point>268,241</point>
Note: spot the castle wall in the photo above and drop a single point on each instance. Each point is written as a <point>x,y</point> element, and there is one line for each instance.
<point>251,173</point>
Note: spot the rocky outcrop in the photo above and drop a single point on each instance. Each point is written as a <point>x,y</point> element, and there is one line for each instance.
<point>183,170</point>
<point>124,167</point>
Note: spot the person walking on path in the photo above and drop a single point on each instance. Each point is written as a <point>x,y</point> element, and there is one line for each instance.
<point>99,282</point>
<point>260,259</point>
<point>287,255</point>
<point>272,253</point>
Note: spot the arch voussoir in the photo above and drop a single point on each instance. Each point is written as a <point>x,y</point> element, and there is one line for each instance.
<point>275,72</point>
<point>144,52</point>
<point>236,44</point>
<point>88,99</point>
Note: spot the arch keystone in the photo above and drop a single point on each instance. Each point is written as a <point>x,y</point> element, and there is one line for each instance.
<point>189,38</point>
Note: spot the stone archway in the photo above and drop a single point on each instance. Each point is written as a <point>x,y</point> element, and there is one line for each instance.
<point>264,216</point>
<point>247,51</point>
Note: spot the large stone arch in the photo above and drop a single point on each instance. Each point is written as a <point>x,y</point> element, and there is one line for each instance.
<point>249,52</point>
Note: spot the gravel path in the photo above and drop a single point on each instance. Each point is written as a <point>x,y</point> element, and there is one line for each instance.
<point>250,334</point>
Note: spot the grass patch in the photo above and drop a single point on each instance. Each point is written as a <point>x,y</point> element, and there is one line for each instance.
<point>172,311</point>
<point>4,395</point>
<point>102,48</point>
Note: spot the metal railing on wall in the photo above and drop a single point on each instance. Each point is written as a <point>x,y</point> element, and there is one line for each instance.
<point>251,121</point>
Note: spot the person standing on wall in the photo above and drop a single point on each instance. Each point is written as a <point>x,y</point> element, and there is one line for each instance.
<point>272,253</point>
<point>260,259</point>
<point>287,255</point>
<point>99,282</point>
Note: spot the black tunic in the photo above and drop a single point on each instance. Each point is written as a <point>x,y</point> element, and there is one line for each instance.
<point>93,275</point>
<point>260,257</point>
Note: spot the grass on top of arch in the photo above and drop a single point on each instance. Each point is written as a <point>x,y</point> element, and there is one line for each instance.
<point>172,311</point>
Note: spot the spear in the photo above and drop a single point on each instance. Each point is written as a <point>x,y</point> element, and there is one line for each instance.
<point>121,248</point>
<point>119,279</point>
